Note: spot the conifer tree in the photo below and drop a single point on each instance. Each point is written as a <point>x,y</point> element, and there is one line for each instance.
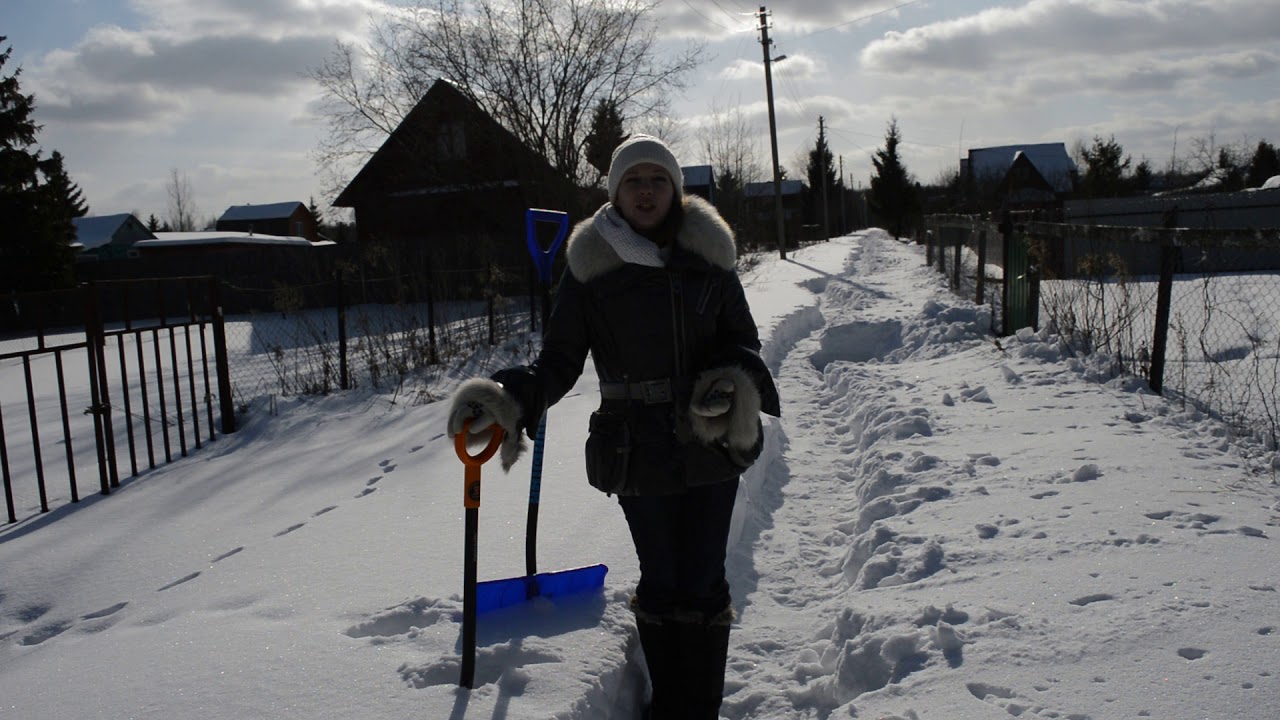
<point>1105,167</point>
<point>37,199</point>
<point>1264,165</point>
<point>821,169</point>
<point>893,197</point>
<point>605,136</point>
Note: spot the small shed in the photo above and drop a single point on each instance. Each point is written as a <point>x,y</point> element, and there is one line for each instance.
<point>285,219</point>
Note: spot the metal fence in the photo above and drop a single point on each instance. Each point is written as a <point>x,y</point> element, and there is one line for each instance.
<point>118,394</point>
<point>1195,312</point>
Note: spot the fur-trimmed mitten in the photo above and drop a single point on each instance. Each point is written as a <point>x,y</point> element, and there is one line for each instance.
<point>726,408</point>
<point>485,403</point>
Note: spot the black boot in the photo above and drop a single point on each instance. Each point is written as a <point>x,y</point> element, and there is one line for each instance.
<point>704,650</point>
<point>660,642</point>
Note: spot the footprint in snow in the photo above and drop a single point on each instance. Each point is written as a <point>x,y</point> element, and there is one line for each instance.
<point>322,511</point>
<point>289,529</point>
<point>105,611</point>
<point>366,492</point>
<point>228,554</point>
<point>179,581</point>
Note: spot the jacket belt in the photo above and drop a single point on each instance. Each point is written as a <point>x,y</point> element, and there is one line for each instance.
<point>650,392</point>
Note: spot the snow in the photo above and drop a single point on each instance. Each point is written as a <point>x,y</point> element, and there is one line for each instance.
<point>224,237</point>
<point>943,525</point>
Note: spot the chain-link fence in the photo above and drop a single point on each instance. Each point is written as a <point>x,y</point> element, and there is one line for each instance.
<point>376,332</point>
<point>1195,312</point>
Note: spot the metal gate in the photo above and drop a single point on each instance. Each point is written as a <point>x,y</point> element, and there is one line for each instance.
<point>119,394</point>
<point>1021,299</point>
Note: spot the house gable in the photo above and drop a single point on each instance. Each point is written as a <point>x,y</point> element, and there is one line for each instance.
<point>1050,161</point>
<point>109,235</point>
<point>449,189</point>
<point>446,144</point>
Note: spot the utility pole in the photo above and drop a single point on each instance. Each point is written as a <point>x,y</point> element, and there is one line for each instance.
<point>844,220</point>
<point>773,133</point>
<point>822,162</point>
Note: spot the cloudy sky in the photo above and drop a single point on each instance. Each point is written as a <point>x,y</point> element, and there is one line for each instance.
<point>129,90</point>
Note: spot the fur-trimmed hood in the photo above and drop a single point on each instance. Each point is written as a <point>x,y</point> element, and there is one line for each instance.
<point>703,233</point>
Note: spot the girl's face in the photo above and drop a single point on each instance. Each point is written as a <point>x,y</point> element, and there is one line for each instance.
<point>645,196</point>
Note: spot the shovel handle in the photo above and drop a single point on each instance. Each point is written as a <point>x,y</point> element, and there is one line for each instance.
<point>460,445</point>
<point>471,476</point>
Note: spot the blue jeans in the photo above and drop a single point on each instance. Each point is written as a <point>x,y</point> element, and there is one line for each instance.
<point>680,542</point>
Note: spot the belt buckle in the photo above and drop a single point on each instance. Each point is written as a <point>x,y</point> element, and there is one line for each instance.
<point>655,391</point>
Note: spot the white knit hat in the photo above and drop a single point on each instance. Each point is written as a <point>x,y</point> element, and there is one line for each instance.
<point>643,149</point>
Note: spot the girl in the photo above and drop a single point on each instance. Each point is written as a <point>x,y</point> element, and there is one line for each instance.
<point>651,292</point>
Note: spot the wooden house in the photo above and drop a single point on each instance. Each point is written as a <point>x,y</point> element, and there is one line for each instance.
<point>448,190</point>
<point>284,219</point>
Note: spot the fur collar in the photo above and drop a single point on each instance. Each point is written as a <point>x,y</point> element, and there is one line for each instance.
<point>703,233</point>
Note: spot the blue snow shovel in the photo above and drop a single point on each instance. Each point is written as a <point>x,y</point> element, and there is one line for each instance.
<point>542,261</point>
<point>562,582</point>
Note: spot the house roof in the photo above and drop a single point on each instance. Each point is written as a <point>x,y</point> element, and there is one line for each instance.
<point>1050,160</point>
<point>441,96</point>
<point>698,175</point>
<point>761,189</point>
<point>269,211</point>
<point>92,232</point>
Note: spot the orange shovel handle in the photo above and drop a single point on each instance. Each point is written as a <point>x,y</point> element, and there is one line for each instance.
<point>471,476</point>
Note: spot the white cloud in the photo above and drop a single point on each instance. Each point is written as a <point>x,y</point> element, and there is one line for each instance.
<point>1071,31</point>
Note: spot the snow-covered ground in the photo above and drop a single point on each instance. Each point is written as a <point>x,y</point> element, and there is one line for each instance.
<point>942,526</point>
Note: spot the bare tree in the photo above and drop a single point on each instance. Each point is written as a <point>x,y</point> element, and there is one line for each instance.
<point>539,67</point>
<point>728,143</point>
<point>182,211</point>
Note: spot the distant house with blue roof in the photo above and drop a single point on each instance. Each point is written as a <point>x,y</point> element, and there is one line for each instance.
<point>1018,177</point>
<point>700,180</point>
<point>105,237</point>
<point>285,219</point>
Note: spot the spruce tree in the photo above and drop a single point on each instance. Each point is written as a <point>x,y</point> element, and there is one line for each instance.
<point>822,169</point>
<point>37,199</point>
<point>1105,166</point>
<point>893,197</point>
<point>1264,165</point>
<point>605,136</point>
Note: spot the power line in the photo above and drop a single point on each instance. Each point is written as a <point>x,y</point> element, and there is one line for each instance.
<point>859,19</point>
<point>713,22</point>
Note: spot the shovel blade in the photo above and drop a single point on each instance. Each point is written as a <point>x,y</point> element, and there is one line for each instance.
<point>497,594</point>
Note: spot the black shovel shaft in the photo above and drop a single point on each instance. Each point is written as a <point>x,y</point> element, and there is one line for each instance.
<point>469,599</point>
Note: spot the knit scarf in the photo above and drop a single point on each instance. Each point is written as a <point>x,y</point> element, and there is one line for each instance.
<point>632,247</point>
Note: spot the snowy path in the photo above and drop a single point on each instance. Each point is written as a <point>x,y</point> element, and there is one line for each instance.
<point>892,549</point>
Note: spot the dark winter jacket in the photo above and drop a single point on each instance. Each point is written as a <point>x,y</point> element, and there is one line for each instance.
<point>640,324</point>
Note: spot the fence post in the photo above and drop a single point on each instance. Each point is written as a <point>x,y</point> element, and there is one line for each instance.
<point>343,377</point>
<point>226,404</point>
<point>93,336</point>
<point>928,245</point>
<point>1164,299</point>
<point>961,235</point>
<point>431,309</point>
<point>982,267</point>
